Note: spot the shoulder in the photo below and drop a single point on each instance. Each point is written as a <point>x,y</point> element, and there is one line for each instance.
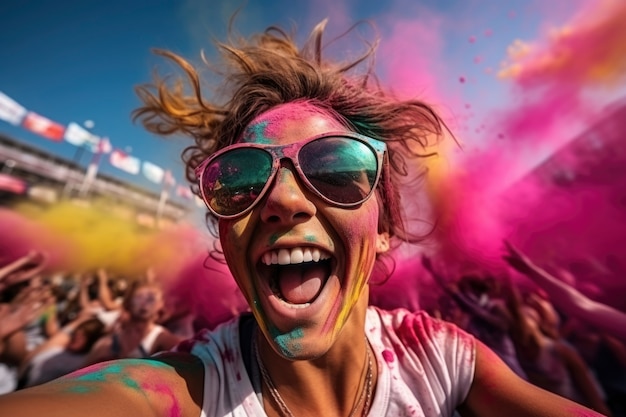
<point>417,328</point>
<point>224,334</point>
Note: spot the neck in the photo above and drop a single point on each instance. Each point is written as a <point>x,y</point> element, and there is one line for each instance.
<point>330,385</point>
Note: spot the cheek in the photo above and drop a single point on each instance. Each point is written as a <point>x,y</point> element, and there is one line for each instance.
<point>361,229</point>
<point>235,240</point>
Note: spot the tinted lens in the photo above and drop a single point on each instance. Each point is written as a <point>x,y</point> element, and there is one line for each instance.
<point>341,169</point>
<point>234,180</point>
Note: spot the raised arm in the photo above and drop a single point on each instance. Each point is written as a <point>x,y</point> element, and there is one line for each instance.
<point>465,302</point>
<point>568,298</point>
<point>104,292</point>
<point>22,269</point>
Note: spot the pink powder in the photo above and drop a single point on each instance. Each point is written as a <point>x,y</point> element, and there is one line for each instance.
<point>388,356</point>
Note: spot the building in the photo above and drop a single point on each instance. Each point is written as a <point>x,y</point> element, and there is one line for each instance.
<point>31,174</point>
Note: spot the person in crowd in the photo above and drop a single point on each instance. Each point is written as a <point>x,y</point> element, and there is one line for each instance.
<point>490,319</point>
<point>21,303</point>
<point>136,334</point>
<point>63,353</point>
<point>554,365</point>
<point>567,298</point>
<point>301,166</point>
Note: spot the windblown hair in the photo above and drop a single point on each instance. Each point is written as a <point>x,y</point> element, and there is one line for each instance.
<point>269,69</point>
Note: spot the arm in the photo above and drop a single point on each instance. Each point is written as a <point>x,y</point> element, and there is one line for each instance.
<point>29,304</point>
<point>169,386</point>
<point>567,298</point>
<point>104,292</point>
<point>22,269</point>
<point>497,389</point>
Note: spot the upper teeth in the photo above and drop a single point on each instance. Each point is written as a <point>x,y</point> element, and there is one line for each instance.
<point>293,256</point>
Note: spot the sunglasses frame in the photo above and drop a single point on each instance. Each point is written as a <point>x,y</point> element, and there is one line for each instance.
<point>291,152</point>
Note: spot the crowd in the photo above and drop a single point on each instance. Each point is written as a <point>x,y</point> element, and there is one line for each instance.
<point>51,325</point>
<point>551,334</point>
<point>548,333</point>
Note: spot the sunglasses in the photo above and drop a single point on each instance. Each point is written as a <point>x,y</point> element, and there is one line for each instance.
<point>342,169</point>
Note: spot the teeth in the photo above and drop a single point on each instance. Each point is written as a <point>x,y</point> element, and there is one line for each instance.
<point>293,256</point>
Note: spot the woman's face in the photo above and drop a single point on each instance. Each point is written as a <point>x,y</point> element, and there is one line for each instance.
<point>146,303</point>
<point>301,306</point>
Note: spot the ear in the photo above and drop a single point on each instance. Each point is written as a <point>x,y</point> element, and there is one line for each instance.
<point>382,242</point>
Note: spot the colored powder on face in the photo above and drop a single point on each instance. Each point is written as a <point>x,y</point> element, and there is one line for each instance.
<point>255,133</point>
<point>273,238</point>
<point>287,341</point>
<point>310,238</point>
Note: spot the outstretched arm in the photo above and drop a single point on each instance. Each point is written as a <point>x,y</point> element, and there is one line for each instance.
<point>497,390</point>
<point>168,386</point>
<point>568,298</point>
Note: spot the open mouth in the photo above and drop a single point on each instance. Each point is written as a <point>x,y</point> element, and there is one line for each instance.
<point>296,275</point>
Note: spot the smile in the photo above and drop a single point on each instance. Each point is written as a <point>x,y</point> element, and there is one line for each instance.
<point>296,275</point>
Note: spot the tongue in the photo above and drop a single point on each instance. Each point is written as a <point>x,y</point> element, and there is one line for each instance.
<point>300,285</point>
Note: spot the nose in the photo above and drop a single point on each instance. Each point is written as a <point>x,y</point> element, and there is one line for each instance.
<point>287,201</point>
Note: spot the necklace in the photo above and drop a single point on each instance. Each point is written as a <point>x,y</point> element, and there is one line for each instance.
<point>366,393</point>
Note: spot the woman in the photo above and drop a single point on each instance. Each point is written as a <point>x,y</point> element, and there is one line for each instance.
<point>302,178</point>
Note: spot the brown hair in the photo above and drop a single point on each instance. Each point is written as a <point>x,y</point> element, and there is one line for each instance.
<point>269,69</point>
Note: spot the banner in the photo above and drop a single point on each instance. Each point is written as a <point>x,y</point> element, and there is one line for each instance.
<point>152,172</point>
<point>168,178</point>
<point>43,126</point>
<point>184,192</point>
<point>10,110</point>
<point>79,136</point>
<point>104,146</point>
<point>119,159</point>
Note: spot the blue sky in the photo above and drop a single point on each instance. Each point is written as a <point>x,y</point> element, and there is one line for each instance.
<point>73,61</point>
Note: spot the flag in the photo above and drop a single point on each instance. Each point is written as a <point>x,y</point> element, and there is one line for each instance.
<point>168,178</point>
<point>119,159</point>
<point>184,192</point>
<point>10,110</point>
<point>78,136</point>
<point>104,146</point>
<point>12,184</point>
<point>43,126</point>
<point>152,172</point>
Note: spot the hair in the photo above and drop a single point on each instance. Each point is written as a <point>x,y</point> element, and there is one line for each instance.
<point>93,330</point>
<point>269,69</point>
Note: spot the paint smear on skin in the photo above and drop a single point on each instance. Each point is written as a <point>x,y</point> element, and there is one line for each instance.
<point>120,372</point>
<point>255,133</point>
<point>273,238</point>
<point>288,342</point>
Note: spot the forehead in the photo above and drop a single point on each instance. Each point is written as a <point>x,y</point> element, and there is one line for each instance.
<point>289,123</point>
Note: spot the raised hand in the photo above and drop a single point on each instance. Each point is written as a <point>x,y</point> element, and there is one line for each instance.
<point>517,259</point>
